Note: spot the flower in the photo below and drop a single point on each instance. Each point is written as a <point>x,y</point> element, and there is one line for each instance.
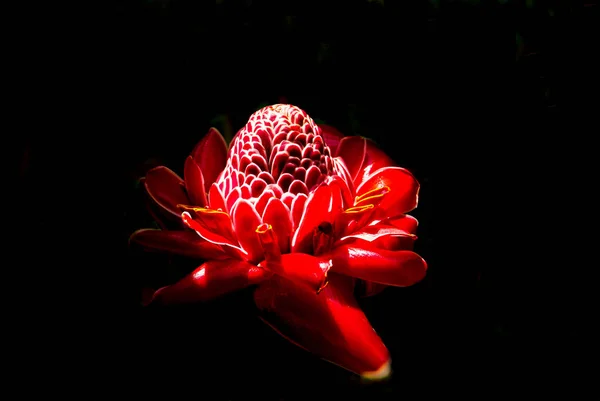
<point>302,212</point>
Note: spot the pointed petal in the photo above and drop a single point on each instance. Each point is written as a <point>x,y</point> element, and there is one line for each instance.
<point>215,198</point>
<point>362,260</point>
<point>166,189</point>
<point>194,182</point>
<point>401,189</point>
<point>277,215</point>
<point>297,209</point>
<point>330,325</point>
<point>375,159</point>
<point>214,227</point>
<point>403,222</point>
<point>352,150</point>
<point>331,136</point>
<point>211,155</point>
<point>342,171</point>
<point>163,217</point>
<point>382,236</point>
<point>245,222</point>
<point>185,243</point>
<point>323,205</point>
<point>302,269</point>
<point>338,184</point>
<point>212,279</point>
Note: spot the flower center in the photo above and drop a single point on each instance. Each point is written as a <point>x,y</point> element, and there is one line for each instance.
<point>280,151</point>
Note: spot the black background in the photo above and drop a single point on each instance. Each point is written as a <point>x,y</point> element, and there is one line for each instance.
<point>442,86</point>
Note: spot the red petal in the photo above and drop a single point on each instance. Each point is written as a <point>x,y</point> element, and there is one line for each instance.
<point>375,159</point>
<point>301,268</point>
<point>212,279</point>
<point>277,215</point>
<point>297,209</point>
<point>403,222</point>
<point>331,137</point>
<point>362,260</point>
<point>194,182</point>
<point>185,243</point>
<point>352,150</point>
<point>245,222</point>
<point>215,197</point>
<point>338,183</point>
<point>400,187</point>
<point>351,219</point>
<point>166,188</point>
<point>211,155</point>
<point>214,226</point>
<point>382,236</point>
<point>323,205</point>
<point>165,219</point>
<point>342,171</point>
<point>330,325</point>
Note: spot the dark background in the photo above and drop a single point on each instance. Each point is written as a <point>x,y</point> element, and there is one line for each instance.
<point>454,91</point>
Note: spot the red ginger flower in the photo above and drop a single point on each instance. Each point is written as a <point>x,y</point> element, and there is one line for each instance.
<point>302,212</point>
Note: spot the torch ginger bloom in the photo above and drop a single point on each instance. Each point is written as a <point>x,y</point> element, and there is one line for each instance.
<point>300,211</point>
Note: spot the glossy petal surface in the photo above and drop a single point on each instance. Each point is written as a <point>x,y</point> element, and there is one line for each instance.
<point>184,243</point>
<point>361,260</point>
<point>330,324</point>
<point>210,280</point>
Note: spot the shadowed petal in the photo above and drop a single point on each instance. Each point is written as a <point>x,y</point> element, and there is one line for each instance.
<point>211,155</point>
<point>166,188</point>
<point>341,170</point>
<point>352,150</point>
<point>331,136</point>
<point>163,217</point>
<point>185,243</point>
<point>330,325</point>
<point>399,186</point>
<point>212,279</point>
<point>362,260</point>
<point>194,182</point>
<point>374,160</point>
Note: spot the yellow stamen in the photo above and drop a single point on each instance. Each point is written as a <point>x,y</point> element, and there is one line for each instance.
<point>199,209</point>
<point>373,194</point>
<point>359,209</point>
<point>263,228</point>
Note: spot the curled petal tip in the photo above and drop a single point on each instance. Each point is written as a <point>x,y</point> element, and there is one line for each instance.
<point>383,373</point>
<point>132,238</point>
<point>210,280</point>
